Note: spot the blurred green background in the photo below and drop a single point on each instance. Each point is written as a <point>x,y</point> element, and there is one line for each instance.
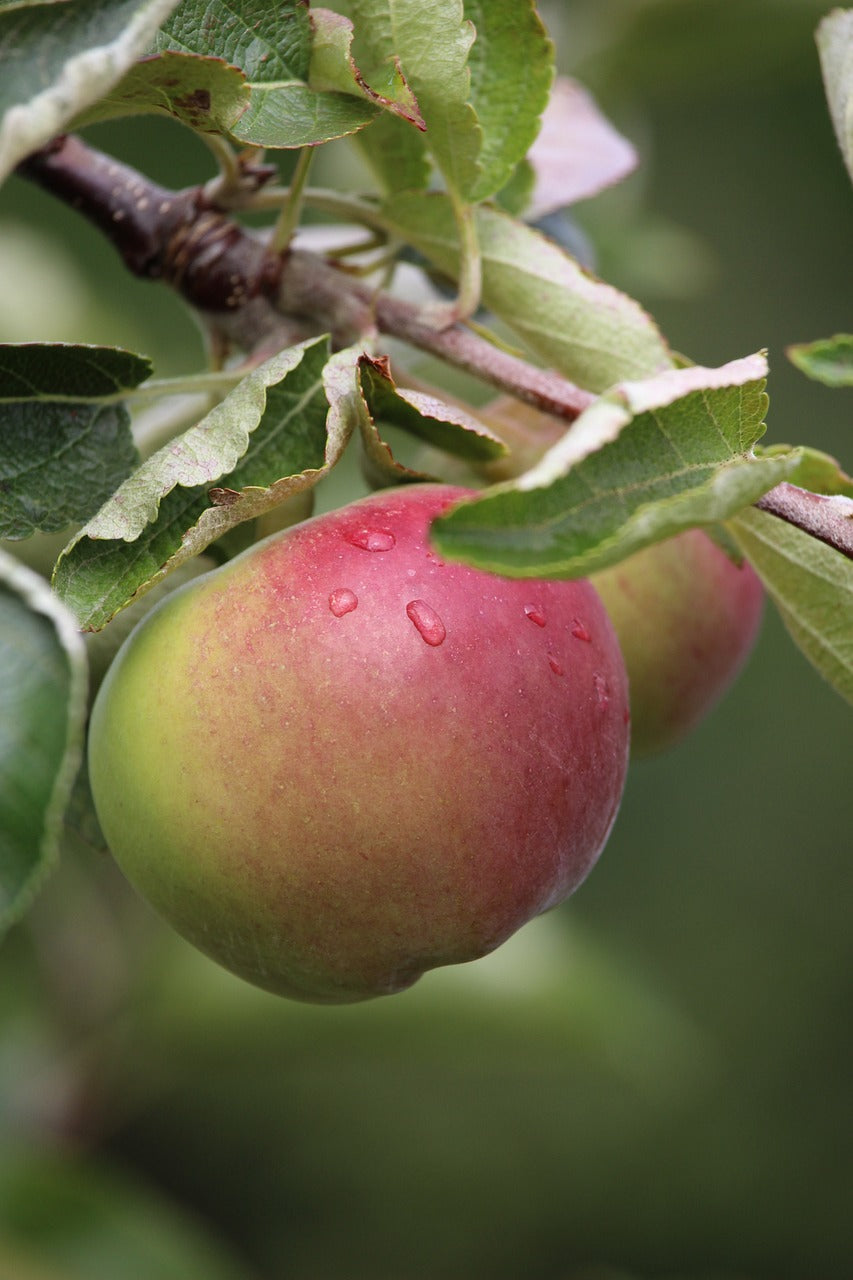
<point>655,1080</point>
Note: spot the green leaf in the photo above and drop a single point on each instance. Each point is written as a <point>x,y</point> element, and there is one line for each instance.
<point>203,93</point>
<point>57,59</point>
<point>62,450</point>
<point>811,585</point>
<point>381,468</point>
<point>445,426</point>
<point>835,46</point>
<point>431,42</point>
<point>271,45</point>
<point>396,153</point>
<point>333,69</point>
<point>829,360</point>
<point>293,115</point>
<point>48,370</point>
<point>642,463</point>
<point>515,195</point>
<point>272,436</point>
<point>585,329</point>
<point>512,66</point>
<point>43,683</point>
<point>302,434</point>
<point>59,462</point>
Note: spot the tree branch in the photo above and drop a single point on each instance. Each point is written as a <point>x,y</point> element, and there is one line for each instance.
<point>173,236</point>
<point>258,298</point>
<point>219,267</point>
<point>457,345</point>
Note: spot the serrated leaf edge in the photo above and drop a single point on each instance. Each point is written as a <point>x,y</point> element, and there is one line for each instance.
<point>251,393</point>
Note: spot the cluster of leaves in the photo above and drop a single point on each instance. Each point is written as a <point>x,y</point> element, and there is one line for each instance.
<point>455,110</point>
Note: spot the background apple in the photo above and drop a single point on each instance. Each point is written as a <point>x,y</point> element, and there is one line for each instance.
<point>338,761</point>
<point>687,617</point>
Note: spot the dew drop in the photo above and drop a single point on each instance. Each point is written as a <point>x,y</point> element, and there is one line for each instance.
<point>601,690</point>
<point>371,539</point>
<point>535,614</point>
<point>554,665</point>
<point>580,632</point>
<point>427,621</point>
<point>342,601</point>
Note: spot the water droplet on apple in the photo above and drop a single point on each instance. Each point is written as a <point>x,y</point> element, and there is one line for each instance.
<point>371,539</point>
<point>426,621</point>
<point>580,632</point>
<point>601,690</point>
<point>342,601</point>
<point>535,614</point>
<point>555,665</point>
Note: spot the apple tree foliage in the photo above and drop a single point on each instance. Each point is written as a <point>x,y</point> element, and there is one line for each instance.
<point>465,139</point>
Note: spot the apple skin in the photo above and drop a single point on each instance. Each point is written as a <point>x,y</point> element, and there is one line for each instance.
<point>337,762</point>
<point>687,618</point>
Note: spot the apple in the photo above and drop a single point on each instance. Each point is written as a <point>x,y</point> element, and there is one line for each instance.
<point>687,618</point>
<point>337,761</point>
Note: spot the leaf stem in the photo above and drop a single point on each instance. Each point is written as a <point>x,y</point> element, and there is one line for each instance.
<point>470,261</point>
<point>356,247</point>
<point>154,388</point>
<point>219,380</point>
<point>228,179</point>
<point>470,284</point>
<point>288,218</point>
<point>348,208</point>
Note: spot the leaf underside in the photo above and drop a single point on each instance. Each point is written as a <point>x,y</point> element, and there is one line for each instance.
<point>812,587</point>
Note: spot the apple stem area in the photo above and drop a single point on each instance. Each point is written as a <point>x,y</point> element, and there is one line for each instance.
<point>256,300</point>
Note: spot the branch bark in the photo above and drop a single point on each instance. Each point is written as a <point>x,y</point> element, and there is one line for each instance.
<point>172,236</point>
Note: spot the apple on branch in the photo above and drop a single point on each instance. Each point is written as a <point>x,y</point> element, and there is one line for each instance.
<point>337,761</point>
